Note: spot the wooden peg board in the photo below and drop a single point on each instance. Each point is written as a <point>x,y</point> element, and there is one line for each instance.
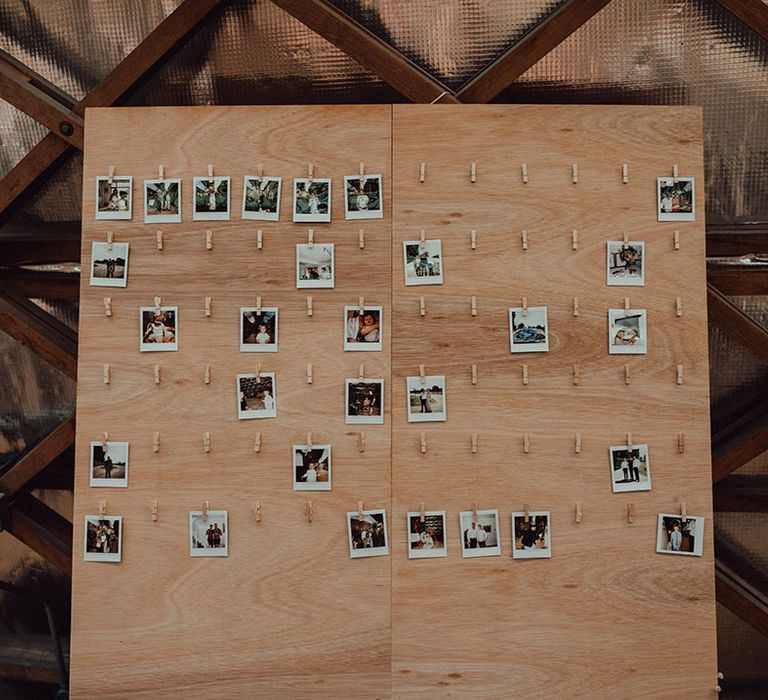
<point>288,613</point>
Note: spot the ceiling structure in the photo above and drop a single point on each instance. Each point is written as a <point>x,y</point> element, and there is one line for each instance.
<point>58,58</point>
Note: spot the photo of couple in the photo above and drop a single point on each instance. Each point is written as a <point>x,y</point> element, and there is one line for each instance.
<point>208,533</point>
<point>479,533</point>
<point>162,201</point>
<point>103,538</point>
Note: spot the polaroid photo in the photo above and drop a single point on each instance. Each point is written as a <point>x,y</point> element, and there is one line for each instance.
<point>423,262</point>
<point>312,468</point>
<point>676,201</point>
<point>162,201</point>
<point>531,540</point>
<point>114,199</point>
<point>626,264</point>
<point>426,538</point>
<point>479,533</point>
<point>314,266</point>
<point>256,397</point>
<point>362,328</point>
<point>261,198</point>
<point>208,536</point>
<point>365,402</point>
<point>630,468</point>
<point>211,199</point>
<point>158,329</point>
<point>678,536</point>
<point>258,331</point>
<point>103,539</point>
<point>426,398</point>
<point>627,332</point>
<point>528,332</point>
<point>363,201</point>
<point>367,533</point>
<point>312,200</point>
<point>109,465</point>
<point>109,268</point>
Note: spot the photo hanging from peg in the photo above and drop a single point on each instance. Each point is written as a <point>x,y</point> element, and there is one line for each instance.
<point>575,172</point>
<point>159,239</point>
<point>524,170</point>
<point>107,306</point>
<point>625,173</point>
<point>361,442</point>
<point>209,240</point>
<point>574,239</point>
<point>422,172</point>
<point>259,239</point>
<point>473,172</point>
<point>361,239</point>
<point>207,306</point>
<point>310,511</point>
<point>153,510</point>
<point>106,374</point>
<point>578,511</point>
<point>524,239</point>
<point>423,442</point>
<point>473,239</point>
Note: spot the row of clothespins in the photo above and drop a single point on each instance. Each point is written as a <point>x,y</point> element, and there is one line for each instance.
<point>525,176</point>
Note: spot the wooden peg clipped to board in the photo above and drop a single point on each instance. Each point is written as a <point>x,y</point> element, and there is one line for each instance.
<point>257,511</point>
<point>158,302</point>
<point>577,443</point>
<point>629,441</point>
<point>575,173</point>
<point>207,374</point>
<point>156,441</point>
<point>107,306</point>
<point>260,171</point>
<point>310,171</point>
<point>678,307</point>
<point>206,442</point>
<point>630,512</point>
<point>574,239</point>
<point>675,173</point>
<point>524,171</point>
<point>525,306</point>
<point>473,172</point>
<point>525,374</point>
<point>422,236</point>
<point>153,508</point>
<point>474,510</point>
<point>679,379</point>
<point>310,310</point>
<point>309,373</point>
<point>526,443</point>
<point>310,237</point>
<point>524,239</point>
<point>361,305</point>
<point>473,305</point>
<point>259,239</point>
<point>625,237</point>
<point>422,172</point>
<point>110,240</point>
<point>578,511</point>
<point>156,373</point>
<point>683,512</point>
<point>422,512</point>
<point>422,373</point>
<point>309,510</point>
<point>422,306</point>
<point>681,443</point>
<point>161,172</point>
<point>526,514</point>
<point>361,442</point>
<point>626,304</point>
<point>107,373</point>
<point>361,239</point>
<point>257,442</point>
<point>209,240</point>
<point>360,510</point>
<point>474,375</point>
<point>159,239</point>
<point>210,170</point>
<point>625,173</point>
<point>473,443</point>
<point>361,371</point>
<point>627,377</point>
<point>206,507</point>
<point>576,375</point>
<point>423,442</point>
<point>362,174</point>
<point>576,309</point>
<point>111,174</point>
<point>473,239</point>
<point>104,441</point>
<point>258,306</point>
<point>207,306</point>
<point>258,371</point>
<point>309,440</point>
<point>102,507</point>
<point>676,240</point>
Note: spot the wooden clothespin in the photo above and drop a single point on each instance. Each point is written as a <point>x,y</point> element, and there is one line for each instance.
<point>361,305</point>
<point>111,174</point>
<point>679,374</point>
<point>209,240</point>
<point>629,441</point>
<point>156,442</point>
<point>104,441</point>
<point>107,306</point>
<point>106,374</point>
<point>309,372</point>
<point>422,512</point>
<point>421,372</point>
<point>630,512</point>
<point>422,236</point>
<point>422,172</point>
<point>310,237</point>
<point>526,515</point>
<point>310,171</point>
<point>161,172</point>
<point>473,305</point>
<point>675,173</point>
<point>361,239</point>
<point>524,169</point>
<point>310,511</point>
<point>258,371</point>
<point>153,510</point>
<point>575,306</point>
<point>102,507</point>
<point>260,171</point>
<point>422,306</point>
<point>207,374</point>
<point>474,510</point>
<point>362,174</point>
<point>423,441</point>
<point>681,442</point>
<point>210,169</point>
<point>626,304</point>
<point>361,442</point>
<point>625,174</point>
<point>526,443</point>
<point>110,240</point>
<point>525,375</point>
<point>678,306</point>
<point>473,443</point>
<point>360,510</point>
<point>473,239</point>
<point>205,509</point>
<point>361,371</point>
<point>257,511</point>
<point>473,172</point>
<point>576,375</point>
<point>309,440</point>
<point>524,238</point>
<point>159,238</point>
<point>207,306</point>
<point>578,511</point>
<point>625,237</point>
<point>676,240</point>
<point>474,374</point>
<point>525,306</point>
<point>575,172</point>
<point>574,239</point>
<point>257,442</point>
<point>577,443</point>
<point>258,306</point>
<point>156,372</point>
<point>206,442</point>
<point>157,305</point>
<point>683,512</point>
<point>259,239</point>
<point>310,311</point>
<point>627,378</point>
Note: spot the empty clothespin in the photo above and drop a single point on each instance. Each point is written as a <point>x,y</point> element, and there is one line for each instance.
<point>421,371</point>
<point>683,512</point>
<point>422,235</point>
<point>362,173</point>
<point>422,512</point>
<point>159,239</point>
<point>525,374</point>
<point>526,514</point>
<point>206,442</point>
<point>209,240</point>
<point>627,378</point>
<point>310,237</point>
<point>575,172</point>
<point>681,442</point>
<point>210,169</point>
<point>107,306</point>
<point>157,304</point>
<point>578,511</point>
<point>625,173</point>
<point>676,240</point>
<point>524,169</point>
<point>423,442</point>
<point>576,375</point>
<point>524,238</point>
<point>422,306</point>
<point>309,372</point>
<point>526,443</point>
<point>205,509</point>
<point>106,374</point>
<point>310,171</point>
<point>156,442</point>
<point>207,306</point>
<point>156,373</point>
<point>474,374</point>
<point>679,374</point>
<point>309,440</point>
<point>474,509</point>
<point>361,239</point>
<point>310,511</point>
<point>257,442</point>
<point>111,174</point>
<point>360,305</point>
<point>473,239</point>
<point>678,306</point>
<point>258,306</point>
<point>473,172</point>
<point>104,441</point>
<point>625,237</point>
<point>161,172</point>
<point>675,173</point>
<point>629,441</point>
<point>473,305</point>
<point>361,442</point>
<point>577,443</point>
<point>361,372</point>
<point>626,304</point>
<point>575,306</point>
<point>207,374</point>
<point>310,311</point>
<point>102,507</point>
<point>422,172</point>
<point>525,306</point>
<point>153,510</point>
<point>110,240</point>
<point>257,511</point>
<point>259,239</point>
<point>473,443</point>
<point>630,512</point>
<point>574,239</point>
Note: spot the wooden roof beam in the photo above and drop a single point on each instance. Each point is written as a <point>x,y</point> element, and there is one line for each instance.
<point>741,493</point>
<point>739,280</point>
<point>740,598</point>
<point>747,332</point>
<point>739,442</point>
<point>753,13</point>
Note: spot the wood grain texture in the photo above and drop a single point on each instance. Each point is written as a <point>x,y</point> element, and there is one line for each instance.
<point>593,620</point>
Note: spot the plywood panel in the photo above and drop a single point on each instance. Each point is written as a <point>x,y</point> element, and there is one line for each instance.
<point>606,617</point>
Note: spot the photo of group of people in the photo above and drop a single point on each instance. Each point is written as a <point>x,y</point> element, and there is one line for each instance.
<point>208,533</point>
<point>363,201</point>
<point>423,262</point>
<point>312,200</point>
<point>365,401</point>
<point>630,468</point>
<point>531,535</point>
<point>162,201</point>
<point>479,533</point>
<point>256,397</point>
<point>367,533</point>
<point>626,263</point>
<point>627,332</point>
<point>159,329</point>
<point>258,329</point>
<point>211,199</point>
<point>362,328</point>
<point>109,264</point>
<point>114,197</point>
<point>680,535</point>
<point>528,331</point>
<point>676,199</point>
<point>109,464</point>
<point>311,467</point>
<point>261,198</point>
<point>314,265</point>
<point>103,538</point>
<point>426,535</point>
<point>426,398</point>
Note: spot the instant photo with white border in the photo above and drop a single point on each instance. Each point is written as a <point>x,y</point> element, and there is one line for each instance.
<point>366,337</point>
<point>111,521</point>
<point>625,263</point>
<point>426,262</point>
<point>303,189</point>
<point>630,474</point>
<point>264,341</point>
<point>627,332</point>
<point>487,518</point>
<point>357,203</point>
<point>198,529</point>
<point>315,266</point>
<point>102,255</point>
<point>306,479</point>
<point>422,543</point>
<point>355,551</point>
<point>266,186</point>
<point>220,198</point>
<point>158,338</point>
<point>429,394</point>
<point>162,218</point>
<point>528,332</point>
<point>665,199</point>
<point>371,413</point>
<point>665,543</point>
<point>118,206</point>
<point>117,454</point>
<point>532,551</point>
<point>268,408</point>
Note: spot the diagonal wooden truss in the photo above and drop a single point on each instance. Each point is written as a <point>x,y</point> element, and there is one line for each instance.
<point>44,531</point>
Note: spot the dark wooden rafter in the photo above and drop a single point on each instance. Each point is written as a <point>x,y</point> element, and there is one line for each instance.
<point>741,493</point>
<point>529,49</point>
<point>753,13</point>
<point>739,442</point>
<point>740,598</point>
<point>31,326</point>
<point>368,50</point>
<point>43,284</point>
<point>737,240</point>
<point>739,280</point>
<point>747,332</point>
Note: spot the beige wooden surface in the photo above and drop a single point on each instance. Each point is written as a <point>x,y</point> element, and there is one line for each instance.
<point>606,617</point>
